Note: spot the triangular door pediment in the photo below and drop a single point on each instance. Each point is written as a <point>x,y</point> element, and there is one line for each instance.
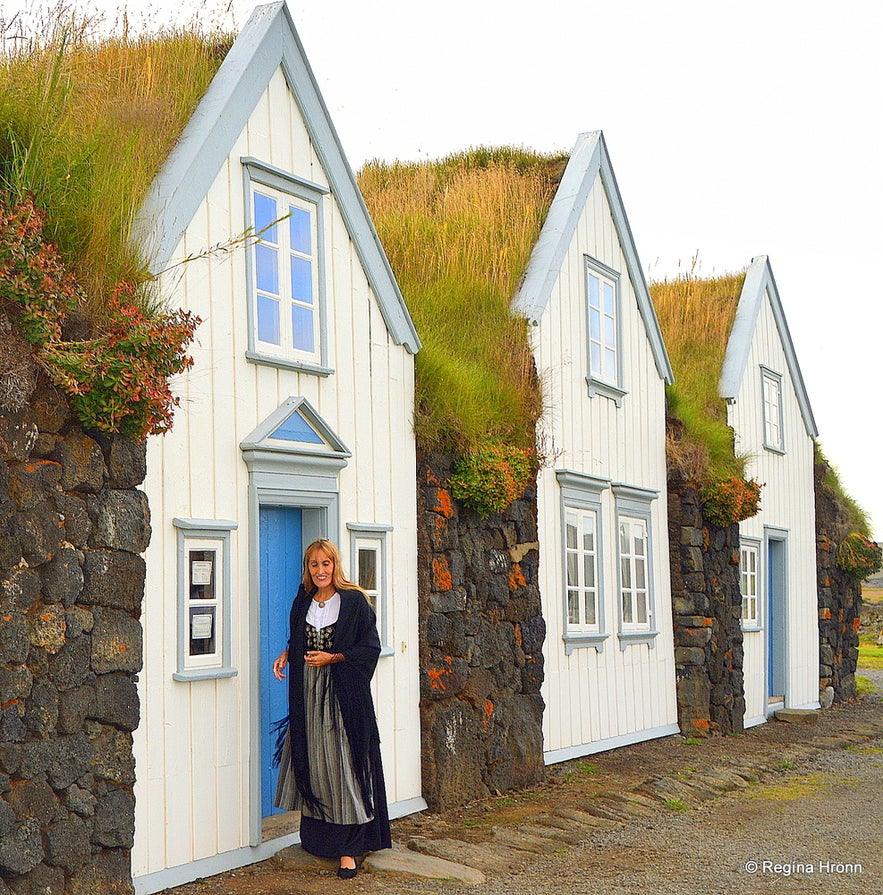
<point>295,427</point>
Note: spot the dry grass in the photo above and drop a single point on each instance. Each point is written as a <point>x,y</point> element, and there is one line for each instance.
<point>696,316</point>
<point>458,233</point>
<point>85,124</point>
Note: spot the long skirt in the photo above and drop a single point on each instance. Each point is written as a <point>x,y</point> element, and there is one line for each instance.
<point>339,829</point>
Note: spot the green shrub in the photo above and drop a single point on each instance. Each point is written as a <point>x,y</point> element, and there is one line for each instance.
<point>488,479</point>
<point>731,500</point>
<point>858,556</point>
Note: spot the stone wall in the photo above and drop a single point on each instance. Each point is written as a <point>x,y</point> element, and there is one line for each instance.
<point>72,526</point>
<point>481,639</point>
<point>707,608</point>
<point>840,598</point>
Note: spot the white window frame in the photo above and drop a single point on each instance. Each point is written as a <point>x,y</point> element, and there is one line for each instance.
<point>601,379</point>
<point>773,416</point>
<point>749,584</point>
<point>289,191</point>
<point>369,536</point>
<point>634,507</point>
<point>212,536</point>
<point>582,494</point>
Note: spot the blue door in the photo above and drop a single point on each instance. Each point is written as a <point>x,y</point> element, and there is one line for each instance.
<point>281,549</point>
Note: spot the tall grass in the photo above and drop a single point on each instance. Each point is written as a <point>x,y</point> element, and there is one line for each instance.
<point>855,515</point>
<point>696,316</point>
<point>85,124</point>
<point>458,233</point>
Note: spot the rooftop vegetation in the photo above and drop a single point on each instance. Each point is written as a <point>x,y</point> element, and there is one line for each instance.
<point>85,124</point>
<point>86,121</point>
<point>696,316</point>
<point>459,233</point>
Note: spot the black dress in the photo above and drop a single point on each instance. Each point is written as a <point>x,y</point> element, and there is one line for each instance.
<point>330,766</point>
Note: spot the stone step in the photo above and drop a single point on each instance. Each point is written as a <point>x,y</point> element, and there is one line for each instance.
<point>401,860</point>
<point>551,834</point>
<point>514,837</point>
<point>491,858</point>
<point>558,822</point>
<point>798,716</point>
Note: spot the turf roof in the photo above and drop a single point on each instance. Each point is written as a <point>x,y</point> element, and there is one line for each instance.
<point>458,232</point>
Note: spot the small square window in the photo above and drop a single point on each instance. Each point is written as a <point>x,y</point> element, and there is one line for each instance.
<point>204,599</point>
<point>773,428</point>
<point>369,568</point>
<point>749,555</point>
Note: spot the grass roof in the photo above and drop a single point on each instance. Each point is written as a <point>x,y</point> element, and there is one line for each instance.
<point>459,232</point>
<point>86,123</point>
<point>696,316</point>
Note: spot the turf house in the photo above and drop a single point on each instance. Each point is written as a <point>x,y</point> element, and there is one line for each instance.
<point>733,351</point>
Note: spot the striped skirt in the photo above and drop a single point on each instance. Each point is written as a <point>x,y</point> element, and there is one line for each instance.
<point>332,777</point>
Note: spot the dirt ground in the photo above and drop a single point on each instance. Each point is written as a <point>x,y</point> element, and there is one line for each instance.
<point>778,747</point>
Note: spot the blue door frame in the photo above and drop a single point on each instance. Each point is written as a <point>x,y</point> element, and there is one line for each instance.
<point>777,602</point>
<point>281,552</point>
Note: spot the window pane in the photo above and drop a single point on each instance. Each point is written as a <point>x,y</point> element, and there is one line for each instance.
<point>610,364</point>
<point>301,235</point>
<point>573,607</point>
<point>591,616</point>
<point>594,300</point>
<point>266,262</point>
<point>594,324</point>
<point>639,541</point>
<point>627,609</point>
<point>264,215</point>
<point>608,297</point>
<point>640,573</point>
<point>301,280</point>
<point>624,545</point>
<point>268,320</point>
<point>589,570</point>
<point>202,630</point>
<point>367,568</point>
<point>571,532</point>
<point>641,608</point>
<point>572,570</point>
<point>596,358</point>
<point>610,332</point>
<point>626,572</point>
<point>302,328</point>
<point>202,574</point>
<point>588,532</point>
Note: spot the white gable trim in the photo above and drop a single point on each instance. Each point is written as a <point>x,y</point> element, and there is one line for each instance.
<point>760,283</point>
<point>588,159</point>
<point>267,41</point>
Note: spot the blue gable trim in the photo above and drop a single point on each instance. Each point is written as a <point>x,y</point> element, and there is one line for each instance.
<point>760,283</point>
<point>588,160</point>
<point>268,41</point>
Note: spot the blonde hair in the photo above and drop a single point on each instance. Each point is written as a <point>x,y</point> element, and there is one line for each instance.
<point>338,581</point>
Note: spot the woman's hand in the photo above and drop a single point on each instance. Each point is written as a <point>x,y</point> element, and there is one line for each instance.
<point>280,665</point>
<point>317,658</point>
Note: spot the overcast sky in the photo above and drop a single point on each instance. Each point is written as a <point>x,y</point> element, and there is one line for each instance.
<point>735,129</point>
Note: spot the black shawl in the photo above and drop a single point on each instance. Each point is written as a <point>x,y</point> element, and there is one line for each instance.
<point>355,635</point>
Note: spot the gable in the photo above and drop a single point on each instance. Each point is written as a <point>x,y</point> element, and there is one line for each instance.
<point>588,163</point>
<point>759,287</point>
<point>268,41</point>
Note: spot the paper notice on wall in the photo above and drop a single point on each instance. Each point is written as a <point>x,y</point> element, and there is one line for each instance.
<point>201,572</point>
<point>201,627</point>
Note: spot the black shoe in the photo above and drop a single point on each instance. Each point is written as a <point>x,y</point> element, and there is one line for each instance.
<point>347,872</point>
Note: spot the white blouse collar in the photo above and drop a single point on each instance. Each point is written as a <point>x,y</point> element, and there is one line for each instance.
<point>326,614</point>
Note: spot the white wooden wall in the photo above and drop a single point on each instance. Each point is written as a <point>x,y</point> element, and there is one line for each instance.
<point>787,502</point>
<point>192,746</point>
<point>614,695</point>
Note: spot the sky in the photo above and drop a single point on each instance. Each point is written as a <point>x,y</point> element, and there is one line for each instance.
<point>735,130</point>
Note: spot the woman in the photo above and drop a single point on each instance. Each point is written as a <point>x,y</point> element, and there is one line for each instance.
<point>330,757</point>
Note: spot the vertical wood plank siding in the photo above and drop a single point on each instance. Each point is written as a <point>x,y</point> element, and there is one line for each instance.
<point>192,746</point>
<point>788,503</point>
<point>595,696</point>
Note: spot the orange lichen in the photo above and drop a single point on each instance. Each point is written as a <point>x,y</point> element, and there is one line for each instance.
<point>701,724</point>
<point>441,574</point>
<point>437,676</point>
<point>445,505</point>
<point>516,578</point>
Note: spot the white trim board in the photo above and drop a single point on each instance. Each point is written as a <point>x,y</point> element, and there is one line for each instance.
<point>626,739</point>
